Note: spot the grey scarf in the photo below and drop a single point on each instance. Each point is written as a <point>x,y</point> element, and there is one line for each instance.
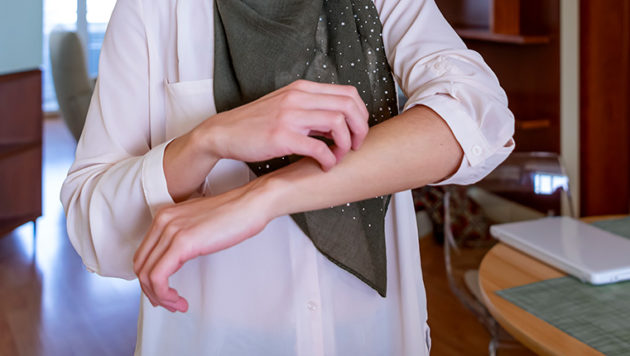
<point>261,46</point>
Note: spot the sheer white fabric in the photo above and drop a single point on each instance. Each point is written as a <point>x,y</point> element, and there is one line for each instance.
<point>273,294</point>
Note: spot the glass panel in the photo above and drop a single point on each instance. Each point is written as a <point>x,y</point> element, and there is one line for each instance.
<point>63,13</point>
<point>98,14</point>
<point>57,13</point>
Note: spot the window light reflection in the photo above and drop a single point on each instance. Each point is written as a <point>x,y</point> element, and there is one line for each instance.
<point>547,184</point>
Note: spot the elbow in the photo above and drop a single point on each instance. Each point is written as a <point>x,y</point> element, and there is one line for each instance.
<point>102,248</point>
<point>99,252</point>
<point>483,169</point>
<point>77,225</point>
<point>472,172</point>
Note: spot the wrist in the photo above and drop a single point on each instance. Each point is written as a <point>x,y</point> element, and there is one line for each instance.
<point>292,189</point>
<point>268,192</point>
<point>205,140</point>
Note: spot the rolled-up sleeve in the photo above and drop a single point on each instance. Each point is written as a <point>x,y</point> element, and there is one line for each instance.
<point>434,68</point>
<point>117,182</point>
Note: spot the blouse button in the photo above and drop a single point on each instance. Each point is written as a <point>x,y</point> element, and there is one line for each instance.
<point>312,306</point>
<point>476,150</point>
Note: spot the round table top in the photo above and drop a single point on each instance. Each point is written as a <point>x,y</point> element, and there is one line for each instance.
<point>504,267</point>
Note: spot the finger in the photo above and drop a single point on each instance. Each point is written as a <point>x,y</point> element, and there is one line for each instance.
<point>155,304</point>
<point>330,122</point>
<point>172,307</point>
<point>159,222</point>
<point>148,295</point>
<point>156,285</point>
<point>320,134</point>
<point>341,90</point>
<point>165,295</point>
<point>338,152</point>
<point>333,89</point>
<point>180,305</point>
<point>172,304</point>
<point>314,148</point>
<point>170,262</point>
<point>355,116</point>
<point>144,273</point>
<point>168,233</point>
<point>146,290</point>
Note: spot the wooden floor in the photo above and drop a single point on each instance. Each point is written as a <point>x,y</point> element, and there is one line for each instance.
<point>454,330</point>
<point>50,305</point>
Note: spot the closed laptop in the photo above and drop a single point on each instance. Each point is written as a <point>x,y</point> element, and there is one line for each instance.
<point>579,249</point>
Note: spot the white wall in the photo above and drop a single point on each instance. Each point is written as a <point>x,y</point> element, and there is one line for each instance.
<point>20,35</point>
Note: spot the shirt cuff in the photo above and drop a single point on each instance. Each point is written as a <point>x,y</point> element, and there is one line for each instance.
<point>469,175</point>
<point>154,180</point>
<point>464,127</point>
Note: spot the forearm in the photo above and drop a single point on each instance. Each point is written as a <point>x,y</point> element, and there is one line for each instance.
<point>411,150</point>
<point>275,125</point>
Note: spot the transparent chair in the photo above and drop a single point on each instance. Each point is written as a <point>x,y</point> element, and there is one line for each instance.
<point>526,186</point>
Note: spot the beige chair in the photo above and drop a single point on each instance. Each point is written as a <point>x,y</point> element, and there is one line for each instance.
<point>73,86</point>
<point>526,186</point>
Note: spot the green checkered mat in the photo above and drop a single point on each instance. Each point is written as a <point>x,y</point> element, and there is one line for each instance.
<point>599,316</point>
<point>616,226</point>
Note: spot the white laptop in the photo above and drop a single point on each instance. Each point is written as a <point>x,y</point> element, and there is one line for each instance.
<point>579,249</point>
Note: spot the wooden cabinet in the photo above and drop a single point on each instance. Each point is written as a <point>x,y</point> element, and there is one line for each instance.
<point>20,149</point>
<point>500,21</point>
<point>519,39</point>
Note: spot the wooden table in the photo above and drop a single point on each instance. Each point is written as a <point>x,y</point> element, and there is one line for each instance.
<point>504,267</point>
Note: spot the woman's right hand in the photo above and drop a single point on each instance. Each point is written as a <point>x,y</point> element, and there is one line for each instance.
<point>278,124</point>
<point>282,122</point>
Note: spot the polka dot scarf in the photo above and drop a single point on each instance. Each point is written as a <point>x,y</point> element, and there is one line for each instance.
<point>261,46</point>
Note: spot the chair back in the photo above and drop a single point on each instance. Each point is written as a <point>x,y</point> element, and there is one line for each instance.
<point>72,83</point>
<point>528,185</point>
<point>533,180</point>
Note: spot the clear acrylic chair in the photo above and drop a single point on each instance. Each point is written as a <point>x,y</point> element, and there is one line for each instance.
<point>527,185</point>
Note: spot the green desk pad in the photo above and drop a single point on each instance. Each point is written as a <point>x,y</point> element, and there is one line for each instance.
<point>616,226</point>
<point>599,316</point>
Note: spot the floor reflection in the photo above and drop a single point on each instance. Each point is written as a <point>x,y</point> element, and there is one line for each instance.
<point>49,303</point>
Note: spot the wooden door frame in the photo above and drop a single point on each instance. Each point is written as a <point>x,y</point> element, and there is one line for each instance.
<point>604,107</point>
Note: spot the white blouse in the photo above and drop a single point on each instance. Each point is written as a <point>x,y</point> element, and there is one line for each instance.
<point>273,294</point>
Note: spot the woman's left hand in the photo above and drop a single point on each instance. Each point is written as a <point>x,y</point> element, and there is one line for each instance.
<point>194,228</point>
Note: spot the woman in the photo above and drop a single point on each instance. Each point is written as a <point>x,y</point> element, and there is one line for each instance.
<point>159,187</point>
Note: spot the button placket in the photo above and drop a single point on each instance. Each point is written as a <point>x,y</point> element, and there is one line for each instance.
<point>314,300</point>
<point>308,297</point>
